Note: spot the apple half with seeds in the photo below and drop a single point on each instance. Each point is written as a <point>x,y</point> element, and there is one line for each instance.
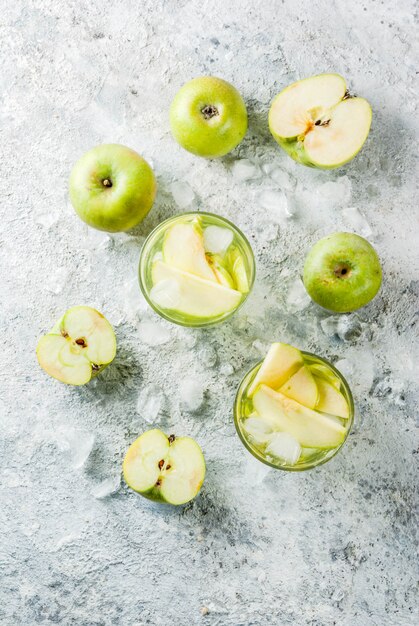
<point>80,345</point>
<point>319,123</point>
<point>164,468</point>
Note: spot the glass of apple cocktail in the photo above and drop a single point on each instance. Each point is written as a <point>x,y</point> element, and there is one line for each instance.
<point>196,269</point>
<point>293,410</point>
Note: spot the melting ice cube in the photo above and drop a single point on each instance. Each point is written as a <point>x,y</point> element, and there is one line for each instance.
<point>166,294</point>
<point>191,393</point>
<point>76,444</point>
<point>217,239</point>
<point>284,447</point>
<point>284,180</point>
<point>258,429</point>
<point>297,298</point>
<point>150,403</point>
<point>277,204</point>
<point>356,221</point>
<point>244,169</point>
<point>182,193</point>
<point>153,334</point>
<point>56,281</point>
<point>107,487</point>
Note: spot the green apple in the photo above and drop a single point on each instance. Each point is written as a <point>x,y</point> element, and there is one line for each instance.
<point>318,123</point>
<point>310,429</point>
<point>342,272</point>
<point>280,363</point>
<point>80,345</point>
<point>208,117</point>
<point>302,388</point>
<point>164,469</point>
<point>331,400</point>
<point>112,188</point>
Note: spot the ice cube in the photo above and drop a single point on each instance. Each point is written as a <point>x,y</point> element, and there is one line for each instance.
<point>134,301</point>
<point>255,471</point>
<point>76,444</point>
<point>297,297</point>
<point>356,221</point>
<point>334,193</point>
<point>182,194</point>
<point>284,447</point>
<point>217,239</point>
<point>277,204</point>
<point>56,281</point>
<point>166,294</point>
<point>150,403</point>
<point>244,169</point>
<point>284,179</point>
<point>226,369</point>
<point>269,232</point>
<point>349,327</point>
<point>191,394</point>
<point>107,487</point>
<point>207,356</point>
<point>46,218</point>
<point>153,334</point>
<point>329,325</point>
<point>94,239</point>
<point>258,429</point>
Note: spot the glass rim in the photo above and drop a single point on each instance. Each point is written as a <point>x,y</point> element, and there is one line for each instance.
<point>290,468</point>
<point>143,255</point>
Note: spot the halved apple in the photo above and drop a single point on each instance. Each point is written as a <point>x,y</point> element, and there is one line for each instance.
<point>331,400</point>
<point>183,249</point>
<point>81,344</point>
<point>281,362</point>
<point>164,469</point>
<point>318,123</point>
<point>308,427</point>
<point>194,296</point>
<point>301,387</point>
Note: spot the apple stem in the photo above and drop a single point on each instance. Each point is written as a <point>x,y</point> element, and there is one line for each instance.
<point>209,111</point>
<point>171,438</point>
<point>95,367</point>
<point>106,182</point>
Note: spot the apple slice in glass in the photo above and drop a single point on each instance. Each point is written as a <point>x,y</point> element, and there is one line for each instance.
<point>164,469</point>
<point>80,345</point>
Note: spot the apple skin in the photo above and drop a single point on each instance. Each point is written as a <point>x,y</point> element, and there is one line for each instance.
<point>216,136</point>
<point>120,206</point>
<point>342,272</point>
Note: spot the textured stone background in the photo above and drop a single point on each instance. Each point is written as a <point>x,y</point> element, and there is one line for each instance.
<point>257,548</point>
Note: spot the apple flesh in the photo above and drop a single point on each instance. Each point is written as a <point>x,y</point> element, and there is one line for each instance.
<point>330,400</point>
<point>302,387</point>
<point>318,123</point>
<point>112,188</point>
<point>342,272</point>
<point>208,117</point>
<point>281,362</point>
<point>165,469</point>
<point>80,345</point>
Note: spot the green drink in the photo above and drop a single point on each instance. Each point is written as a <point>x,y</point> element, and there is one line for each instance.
<point>294,410</point>
<point>196,269</point>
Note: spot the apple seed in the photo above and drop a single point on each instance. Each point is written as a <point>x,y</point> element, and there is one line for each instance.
<point>161,463</point>
<point>81,342</point>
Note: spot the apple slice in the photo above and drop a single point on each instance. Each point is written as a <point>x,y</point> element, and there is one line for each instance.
<point>308,427</point>
<point>301,387</point>
<point>221,274</point>
<point>194,296</point>
<point>164,469</point>
<point>81,344</point>
<point>281,362</point>
<point>183,249</point>
<point>238,270</point>
<point>318,122</point>
<point>331,400</point>
<point>322,371</point>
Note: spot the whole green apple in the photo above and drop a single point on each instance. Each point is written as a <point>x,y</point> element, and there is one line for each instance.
<point>112,188</point>
<point>208,117</point>
<point>318,122</point>
<point>342,272</point>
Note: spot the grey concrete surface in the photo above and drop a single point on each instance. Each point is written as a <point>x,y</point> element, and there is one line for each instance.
<point>256,548</point>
